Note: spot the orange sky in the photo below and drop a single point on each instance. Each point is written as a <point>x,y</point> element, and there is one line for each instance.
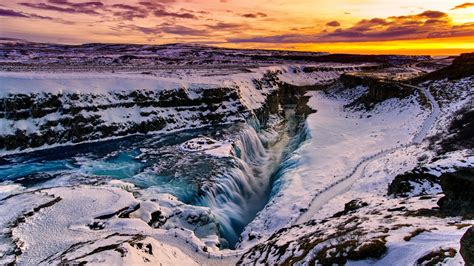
<point>349,26</point>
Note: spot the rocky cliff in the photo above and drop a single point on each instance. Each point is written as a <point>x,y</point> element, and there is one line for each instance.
<point>31,120</point>
<point>34,120</point>
<point>379,90</point>
<point>462,66</point>
<point>458,200</point>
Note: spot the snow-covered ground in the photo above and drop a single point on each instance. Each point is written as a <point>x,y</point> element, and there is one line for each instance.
<point>348,154</point>
<point>407,236</point>
<point>340,140</point>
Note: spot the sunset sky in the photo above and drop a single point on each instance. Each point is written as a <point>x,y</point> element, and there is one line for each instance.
<point>437,27</point>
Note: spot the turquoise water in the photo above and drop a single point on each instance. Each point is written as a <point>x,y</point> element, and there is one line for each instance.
<point>234,188</point>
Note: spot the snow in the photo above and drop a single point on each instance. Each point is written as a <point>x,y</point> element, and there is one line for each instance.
<point>130,251</point>
<point>450,161</point>
<point>208,146</point>
<point>59,230</point>
<point>340,139</point>
<point>91,83</point>
<point>350,155</point>
<point>403,253</point>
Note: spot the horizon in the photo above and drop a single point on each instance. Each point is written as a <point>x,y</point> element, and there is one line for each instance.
<point>392,52</point>
<point>338,26</point>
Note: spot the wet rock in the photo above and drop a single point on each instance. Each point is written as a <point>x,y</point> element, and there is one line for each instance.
<point>34,179</point>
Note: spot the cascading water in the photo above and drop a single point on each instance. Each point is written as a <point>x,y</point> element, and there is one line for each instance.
<point>237,195</point>
<point>244,189</point>
<point>234,187</point>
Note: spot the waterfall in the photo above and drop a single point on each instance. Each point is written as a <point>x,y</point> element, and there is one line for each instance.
<point>239,191</point>
<point>244,188</point>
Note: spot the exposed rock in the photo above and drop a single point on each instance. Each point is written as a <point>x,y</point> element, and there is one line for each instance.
<point>379,90</point>
<point>403,184</point>
<point>467,246</point>
<point>462,66</point>
<point>460,133</point>
<point>351,206</point>
<point>76,118</point>
<point>437,257</point>
<point>458,199</point>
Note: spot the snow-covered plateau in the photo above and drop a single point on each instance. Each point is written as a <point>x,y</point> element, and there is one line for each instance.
<point>183,155</point>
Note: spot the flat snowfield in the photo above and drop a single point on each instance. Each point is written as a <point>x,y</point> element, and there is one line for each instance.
<point>93,83</point>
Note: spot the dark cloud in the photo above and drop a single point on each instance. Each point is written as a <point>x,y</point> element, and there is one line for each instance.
<point>168,28</point>
<point>465,5</point>
<point>123,11</point>
<point>157,8</point>
<point>428,24</point>
<point>82,5</point>
<point>182,30</point>
<point>254,15</point>
<point>65,8</point>
<point>11,13</point>
<point>165,13</point>
<point>432,14</point>
<point>19,14</point>
<point>128,12</point>
<point>127,7</point>
<point>333,24</point>
<point>221,26</point>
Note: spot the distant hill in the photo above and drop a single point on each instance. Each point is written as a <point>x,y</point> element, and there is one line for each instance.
<point>462,66</point>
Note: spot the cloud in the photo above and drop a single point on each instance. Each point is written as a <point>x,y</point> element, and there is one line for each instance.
<point>19,14</point>
<point>91,4</point>
<point>222,26</point>
<point>66,7</point>
<point>333,24</point>
<point>159,10</point>
<point>11,13</point>
<point>465,5</point>
<point>164,13</point>
<point>168,28</point>
<point>254,15</point>
<point>428,24</point>
<point>120,10</point>
<point>128,12</point>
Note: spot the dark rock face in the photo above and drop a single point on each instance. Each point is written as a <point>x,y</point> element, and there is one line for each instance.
<point>459,195</point>
<point>402,184</point>
<point>351,206</point>
<point>49,119</point>
<point>379,90</point>
<point>286,95</point>
<point>460,132</point>
<point>75,118</point>
<point>467,246</point>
